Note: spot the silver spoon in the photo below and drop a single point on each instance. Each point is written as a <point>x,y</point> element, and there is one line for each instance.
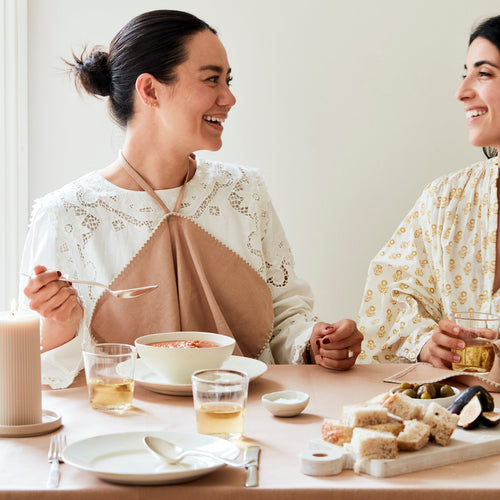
<point>173,454</point>
<point>128,293</point>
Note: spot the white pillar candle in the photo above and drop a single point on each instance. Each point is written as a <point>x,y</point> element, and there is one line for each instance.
<point>20,372</point>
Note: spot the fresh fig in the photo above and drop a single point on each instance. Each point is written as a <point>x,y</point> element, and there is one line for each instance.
<point>471,414</point>
<point>491,418</point>
<point>485,398</point>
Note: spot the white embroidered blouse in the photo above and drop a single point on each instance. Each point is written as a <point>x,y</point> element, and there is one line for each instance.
<point>90,229</point>
<point>440,260</point>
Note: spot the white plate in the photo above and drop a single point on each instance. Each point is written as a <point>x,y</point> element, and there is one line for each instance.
<point>158,383</point>
<point>123,458</point>
<point>51,420</point>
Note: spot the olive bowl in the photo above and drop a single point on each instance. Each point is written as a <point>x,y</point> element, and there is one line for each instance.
<point>443,401</point>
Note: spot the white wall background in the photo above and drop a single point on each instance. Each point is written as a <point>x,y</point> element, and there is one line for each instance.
<point>347,107</point>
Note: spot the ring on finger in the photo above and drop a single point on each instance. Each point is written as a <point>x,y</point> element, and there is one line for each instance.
<point>350,354</point>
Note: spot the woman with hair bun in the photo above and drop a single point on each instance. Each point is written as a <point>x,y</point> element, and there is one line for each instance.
<point>444,256</point>
<point>204,231</point>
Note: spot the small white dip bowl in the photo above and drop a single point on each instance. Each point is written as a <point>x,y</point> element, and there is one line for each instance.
<point>285,403</point>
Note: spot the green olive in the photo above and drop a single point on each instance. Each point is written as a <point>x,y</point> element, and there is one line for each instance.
<point>420,390</point>
<point>437,387</point>
<point>426,395</point>
<point>431,390</point>
<point>405,385</point>
<point>411,393</point>
<point>446,391</point>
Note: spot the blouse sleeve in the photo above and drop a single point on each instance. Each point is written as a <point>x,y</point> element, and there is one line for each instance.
<point>294,318</point>
<point>41,242</point>
<point>60,365</point>
<point>401,304</point>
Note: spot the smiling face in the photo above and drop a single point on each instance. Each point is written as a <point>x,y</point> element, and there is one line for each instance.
<point>480,93</point>
<point>193,109</point>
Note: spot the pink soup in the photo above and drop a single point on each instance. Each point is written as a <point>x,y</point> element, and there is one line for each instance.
<point>185,344</point>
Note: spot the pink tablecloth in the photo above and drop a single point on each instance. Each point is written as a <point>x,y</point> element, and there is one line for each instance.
<point>24,467</point>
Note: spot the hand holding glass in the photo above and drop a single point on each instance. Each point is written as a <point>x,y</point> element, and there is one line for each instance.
<point>478,331</point>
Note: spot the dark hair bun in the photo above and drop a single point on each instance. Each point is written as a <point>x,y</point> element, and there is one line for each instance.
<point>154,42</point>
<point>91,71</point>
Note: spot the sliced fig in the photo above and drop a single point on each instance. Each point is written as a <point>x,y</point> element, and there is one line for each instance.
<point>471,414</point>
<point>486,399</point>
<point>491,418</point>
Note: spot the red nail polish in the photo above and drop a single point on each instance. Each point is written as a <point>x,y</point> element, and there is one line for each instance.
<point>326,340</point>
<point>69,283</point>
<point>59,273</point>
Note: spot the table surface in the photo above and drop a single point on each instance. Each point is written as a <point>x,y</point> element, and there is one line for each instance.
<point>24,465</point>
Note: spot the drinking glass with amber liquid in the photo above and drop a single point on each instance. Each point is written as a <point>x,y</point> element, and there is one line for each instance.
<point>478,330</point>
<point>219,398</point>
<point>109,370</point>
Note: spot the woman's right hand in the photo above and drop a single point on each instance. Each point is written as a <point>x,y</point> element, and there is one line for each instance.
<point>58,304</point>
<point>437,350</point>
<point>336,345</point>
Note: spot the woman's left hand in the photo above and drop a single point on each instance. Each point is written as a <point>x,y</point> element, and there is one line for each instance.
<point>337,345</point>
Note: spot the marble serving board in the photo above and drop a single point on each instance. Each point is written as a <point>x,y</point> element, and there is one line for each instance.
<point>463,446</point>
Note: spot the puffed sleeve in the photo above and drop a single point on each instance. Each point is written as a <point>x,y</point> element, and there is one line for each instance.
<point>401,305</point>
<point>40,243</point>
<point>294,318</point>
<point>60,365</point>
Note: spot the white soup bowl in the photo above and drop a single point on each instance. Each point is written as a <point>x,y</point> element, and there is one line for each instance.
<point>177,364</point>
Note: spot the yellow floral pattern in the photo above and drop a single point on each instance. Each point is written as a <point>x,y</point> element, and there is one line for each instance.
<point>440,260</point>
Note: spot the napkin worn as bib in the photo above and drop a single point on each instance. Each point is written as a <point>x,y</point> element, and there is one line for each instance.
<point>203,286</point>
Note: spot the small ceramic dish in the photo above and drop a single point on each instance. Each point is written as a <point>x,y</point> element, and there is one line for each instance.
<point>441,401</point>
<point>285,403</point>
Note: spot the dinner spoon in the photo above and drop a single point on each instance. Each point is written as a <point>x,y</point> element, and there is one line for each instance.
<point>128,293</point>
<point>173,454</point>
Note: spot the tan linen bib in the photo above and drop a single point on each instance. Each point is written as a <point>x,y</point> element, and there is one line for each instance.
<point>203,286</point>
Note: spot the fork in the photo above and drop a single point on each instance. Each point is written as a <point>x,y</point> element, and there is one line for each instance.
<point>128,293</point>
<point>56,447</point>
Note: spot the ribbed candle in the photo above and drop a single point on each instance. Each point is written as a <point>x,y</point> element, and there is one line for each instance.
<point>20,372</point>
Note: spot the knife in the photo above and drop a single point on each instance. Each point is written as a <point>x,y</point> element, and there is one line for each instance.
<point>252,467</point>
